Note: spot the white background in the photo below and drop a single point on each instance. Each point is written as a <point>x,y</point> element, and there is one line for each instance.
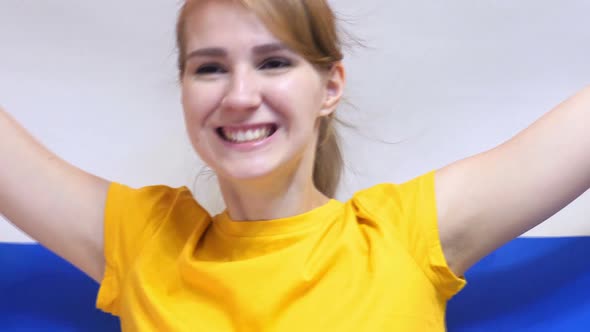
<point>95,81</point>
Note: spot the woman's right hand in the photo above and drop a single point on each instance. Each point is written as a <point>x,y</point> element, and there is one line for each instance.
<point>55,203</point>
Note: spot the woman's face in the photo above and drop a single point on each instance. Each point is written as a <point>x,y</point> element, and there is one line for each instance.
<point>251,105</point>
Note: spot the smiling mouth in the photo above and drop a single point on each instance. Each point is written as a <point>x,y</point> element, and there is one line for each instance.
<point>247,135</point>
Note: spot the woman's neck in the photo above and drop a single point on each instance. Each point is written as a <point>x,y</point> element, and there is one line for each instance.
<point>271,198</point>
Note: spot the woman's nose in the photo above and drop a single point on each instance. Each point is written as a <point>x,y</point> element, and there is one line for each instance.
<point>243,91</point>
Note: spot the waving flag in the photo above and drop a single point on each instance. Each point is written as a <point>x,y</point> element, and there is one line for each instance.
<point>445,79</point>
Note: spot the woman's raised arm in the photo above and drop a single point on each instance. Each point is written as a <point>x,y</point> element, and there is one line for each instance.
<point>487,200</point>
<point>52,201</point>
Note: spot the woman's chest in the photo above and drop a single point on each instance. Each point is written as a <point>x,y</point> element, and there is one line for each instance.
<point>337,287</point>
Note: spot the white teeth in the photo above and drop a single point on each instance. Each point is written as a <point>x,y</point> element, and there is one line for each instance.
<point>250,135</point>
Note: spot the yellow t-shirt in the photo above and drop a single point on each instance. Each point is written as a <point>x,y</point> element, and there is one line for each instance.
<point>373,263</point>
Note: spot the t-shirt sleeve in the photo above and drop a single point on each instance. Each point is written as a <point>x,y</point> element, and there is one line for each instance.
<point>410,208</point>
<point>131,218</point>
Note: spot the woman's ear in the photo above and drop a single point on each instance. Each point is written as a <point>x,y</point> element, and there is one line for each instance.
<point>334,85</point>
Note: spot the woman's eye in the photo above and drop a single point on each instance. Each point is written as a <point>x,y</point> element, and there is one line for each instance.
<point>275,64</point>
<point>210,69</point>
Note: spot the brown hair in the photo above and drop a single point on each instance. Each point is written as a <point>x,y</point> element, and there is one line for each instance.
<point>309,28</point>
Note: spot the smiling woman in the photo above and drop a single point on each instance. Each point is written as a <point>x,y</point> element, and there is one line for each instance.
<point>301,54</point>
<point>261,82</point>
<point>252,80</point>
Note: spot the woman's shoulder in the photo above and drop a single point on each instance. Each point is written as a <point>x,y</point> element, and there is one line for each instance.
<point>416,190</point>
<point>153,199</point>
<point>148,190</point>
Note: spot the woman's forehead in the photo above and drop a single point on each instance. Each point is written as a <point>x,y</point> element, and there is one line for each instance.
<point>215,14</point>
<point>225,23</point>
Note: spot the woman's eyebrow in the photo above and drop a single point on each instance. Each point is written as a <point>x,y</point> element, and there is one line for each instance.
<point>269,48</point>
<point>207,52</point>
<point>221,52</point>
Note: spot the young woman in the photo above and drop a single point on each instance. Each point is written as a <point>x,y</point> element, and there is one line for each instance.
<point>261,82</point>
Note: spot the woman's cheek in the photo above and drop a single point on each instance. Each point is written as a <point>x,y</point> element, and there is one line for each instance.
<point>302,85</point>
<point>199,100</point>
<point>283,92</point>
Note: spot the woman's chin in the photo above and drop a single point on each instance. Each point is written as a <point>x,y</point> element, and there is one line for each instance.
<point>247,172</point>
